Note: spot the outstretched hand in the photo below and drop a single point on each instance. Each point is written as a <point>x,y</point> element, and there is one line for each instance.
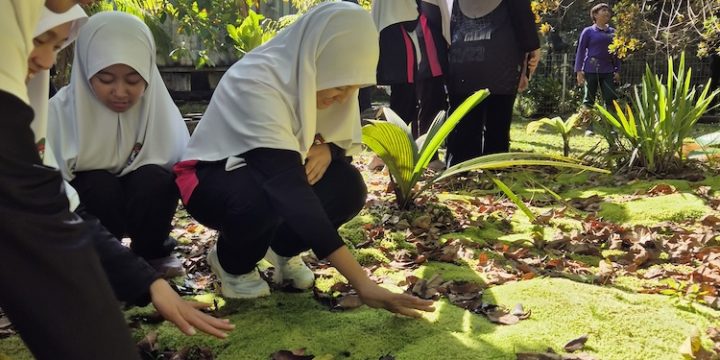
<point>376,296</point>
<point>186,314</point>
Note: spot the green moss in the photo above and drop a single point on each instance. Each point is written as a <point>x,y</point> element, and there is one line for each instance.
<point>14,348</point>
<point>353,231</point>
<point>613,255</point>
<point>628,189</point>
<point>585,259</point>
<point>634,283</point>
<point>713,182</point>
<point>646,211</point>
<point>396,240</point>
<point>573,179</point>
<point>330,277</point>
<point>370,256</point>
<point>561,310</point>
<point>448,272</point>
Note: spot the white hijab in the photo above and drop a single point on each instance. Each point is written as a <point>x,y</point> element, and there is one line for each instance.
<point>17,26</point>
<point>87,134</point>
<point>268,98</point>
<point>39,87</point>
<point>389,12</point>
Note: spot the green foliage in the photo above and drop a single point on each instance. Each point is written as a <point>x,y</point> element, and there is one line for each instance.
<point>152,12</point>
<point>558,126</point>
<point>250,33</point>
<point>682,292</point>
<point>662,115</point>
<point>203,19</point>
<point>392,141</point>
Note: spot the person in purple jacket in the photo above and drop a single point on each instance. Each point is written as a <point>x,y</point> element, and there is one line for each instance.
<point>595,66</point>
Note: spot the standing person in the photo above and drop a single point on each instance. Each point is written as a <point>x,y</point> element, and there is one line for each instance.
<point>132,279</point>
<point>395,21</point>
<point>119,133</point>
<point>595,66</point>
<point>45,252</point>
<point>266,165</point>
<point>490,44</point>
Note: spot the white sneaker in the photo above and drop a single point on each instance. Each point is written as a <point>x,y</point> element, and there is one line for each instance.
<point>290,268</point>
<point>245,286</point>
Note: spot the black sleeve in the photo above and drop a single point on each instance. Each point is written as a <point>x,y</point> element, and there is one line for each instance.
<point>129,275</point>
<point>337,152</point>
<point>523,20</point>
<point>283,178</point>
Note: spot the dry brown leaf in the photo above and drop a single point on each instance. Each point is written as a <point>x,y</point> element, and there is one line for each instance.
<point>348,302</point>
<point>576,344</point>
<point>423,222</point>
<point>501,316</point>
<point>662,189</point>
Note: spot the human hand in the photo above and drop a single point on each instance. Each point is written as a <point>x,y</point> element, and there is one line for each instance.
<point>533,59</point>
<point>581,78</point>
<point>376,296</point>
<point>616,77</point>
<point>524,83</point>
<point>185,314</point>
<point>317,162</point>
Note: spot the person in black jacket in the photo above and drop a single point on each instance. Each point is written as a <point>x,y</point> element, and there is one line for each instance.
<point>490,44</point>
<point>53,287</point>
<point>267,164</point>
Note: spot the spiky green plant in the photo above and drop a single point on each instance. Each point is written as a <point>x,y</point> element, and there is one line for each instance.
<point>662,115</point>
<point>558,126</point>
<point>393,142</point>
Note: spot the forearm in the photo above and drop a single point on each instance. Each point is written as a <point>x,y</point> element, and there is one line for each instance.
<point>129,275</point>
<point>346,264</point>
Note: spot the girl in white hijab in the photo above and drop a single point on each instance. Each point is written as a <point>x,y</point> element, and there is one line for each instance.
<point>266,164</point>
<point>118,132</point>
<point>132,279</point>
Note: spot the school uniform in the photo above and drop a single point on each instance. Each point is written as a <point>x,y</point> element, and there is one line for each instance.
<point>243,171</point>
<point>120,162</point>
<point>416,95</point>
<point>45,252</point>
<point>487,45</point>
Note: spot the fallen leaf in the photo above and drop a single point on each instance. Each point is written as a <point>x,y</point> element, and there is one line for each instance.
<point>576,344</point>
<point>148,344</point>
<point>298,354</point>
<point>499,315</point>
<point>348,302</point>
<point>662,189</point>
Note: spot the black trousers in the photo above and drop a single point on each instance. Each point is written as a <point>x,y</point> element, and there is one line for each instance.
<point>433,99</point>
<point>236,204</point>
<point>605,83</point>
<point>484,130</point>
<point>403,101</point>
<point>53,288</point>
<point>365,97</point>
<point>140,205</point>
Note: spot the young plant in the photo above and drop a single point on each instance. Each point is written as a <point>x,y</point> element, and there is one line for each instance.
<point>393,142</point>
<point>558,126</point>
<point>662,115</point>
